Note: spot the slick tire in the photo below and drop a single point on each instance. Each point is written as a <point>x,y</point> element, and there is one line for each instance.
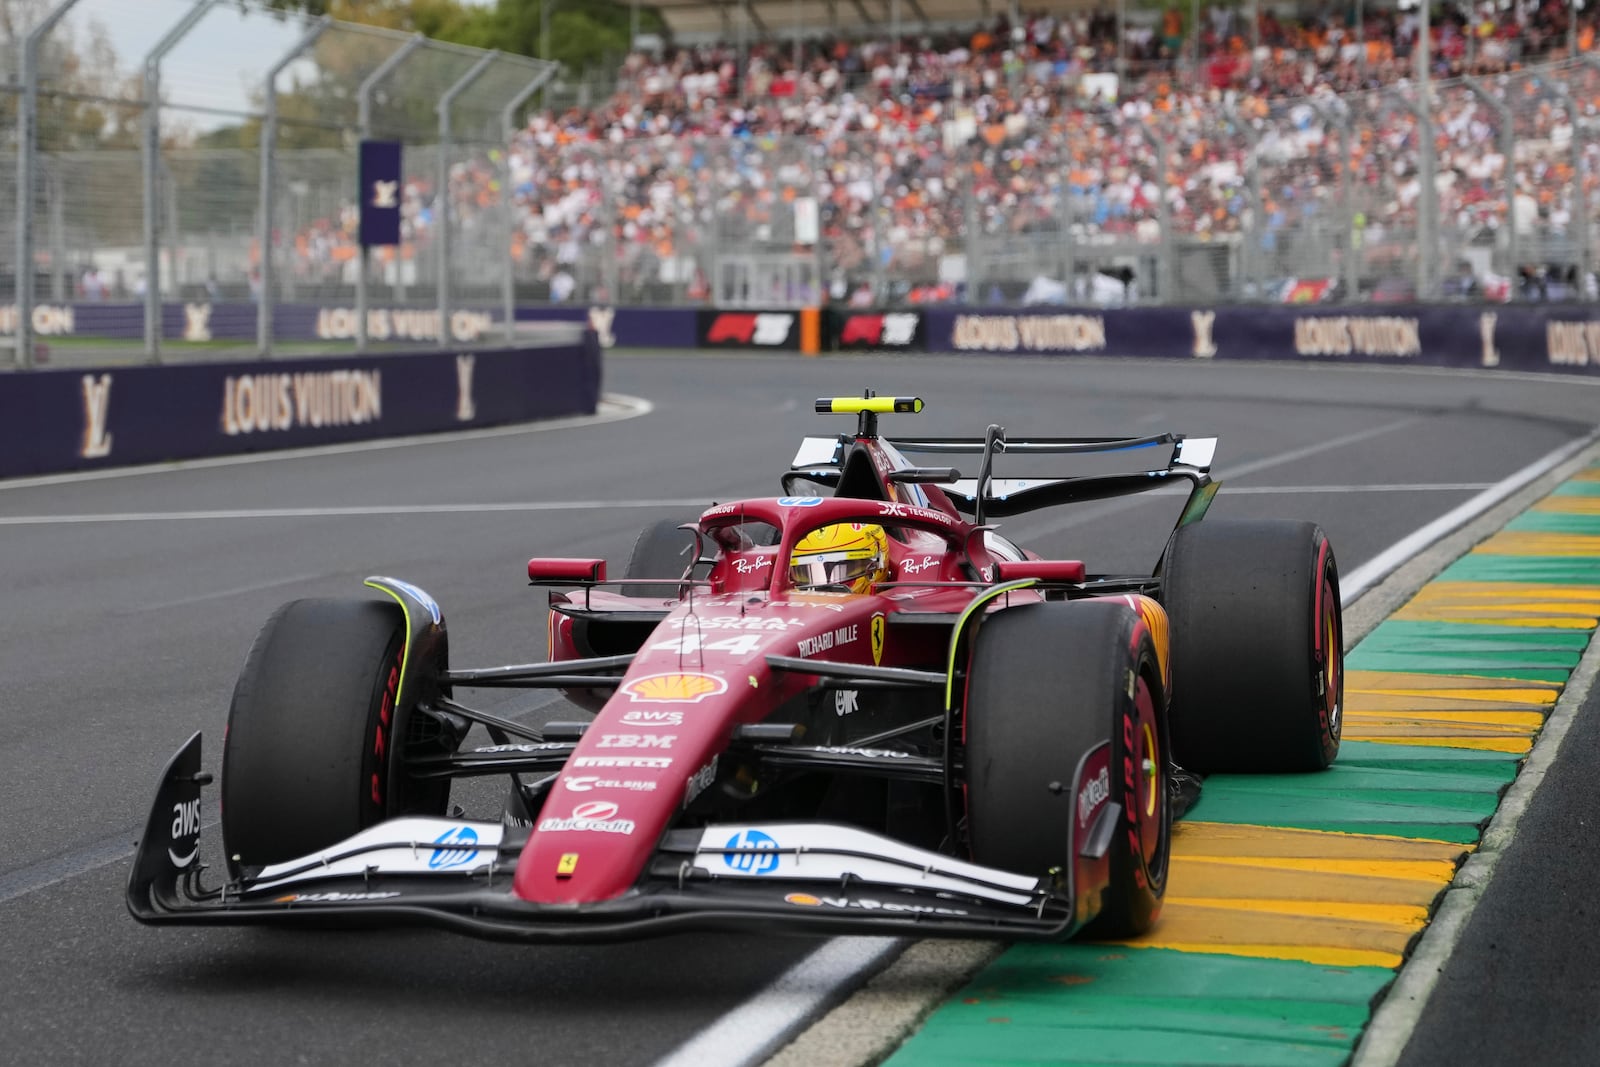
<point>305,761</point>
<point>1257,646</point>
<point>1047,685</point>
<point>661,551</point>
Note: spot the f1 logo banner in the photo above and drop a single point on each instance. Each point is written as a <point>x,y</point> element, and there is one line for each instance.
<point>891,329</point>
<point>380,193</point>
<point>749,329</point>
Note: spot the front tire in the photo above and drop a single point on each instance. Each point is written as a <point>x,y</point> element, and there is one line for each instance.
<point>1257,646</point>
<point>1048,684</point>
<point>306,761</point>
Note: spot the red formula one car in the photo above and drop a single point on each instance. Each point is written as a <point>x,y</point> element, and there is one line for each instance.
<point>853,708</point>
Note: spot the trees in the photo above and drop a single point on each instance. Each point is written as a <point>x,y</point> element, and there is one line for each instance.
<point>82,86</point>
<point>582,32</point>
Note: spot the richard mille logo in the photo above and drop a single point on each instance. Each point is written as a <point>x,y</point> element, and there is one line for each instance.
<point>385,195</point>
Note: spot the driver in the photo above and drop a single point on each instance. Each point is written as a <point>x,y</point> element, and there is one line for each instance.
<point>852,554</point>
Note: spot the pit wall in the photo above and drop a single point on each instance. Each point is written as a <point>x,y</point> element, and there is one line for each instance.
<point>83,419</point>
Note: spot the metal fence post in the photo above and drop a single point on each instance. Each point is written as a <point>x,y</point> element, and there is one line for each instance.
<point>56,193</point>
<point>1164,279</point>
<point>1342,119</point>
<point>1428,201</point>
<point>508,131</point>
<point>150,162</point>
<point>1508,148</point>
<point>1580,195</point>
<point>973,221</point>
<point>1586,239</point>
<point>269,138</point>
<point>27,145</point>
<point>1253,256</point>
<point>442,192</point>
<point>364,124</point>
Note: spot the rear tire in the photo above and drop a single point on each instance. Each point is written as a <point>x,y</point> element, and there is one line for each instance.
<point>1047,684</point>
<point>662,550</point>
<point>1257,646</point>
<point>306,761</point>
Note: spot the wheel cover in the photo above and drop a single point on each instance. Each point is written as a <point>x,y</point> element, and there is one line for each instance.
<point>1331,668</point>
<point>1149,797</point>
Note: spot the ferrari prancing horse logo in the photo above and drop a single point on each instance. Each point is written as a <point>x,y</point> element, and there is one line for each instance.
<point>876,630</point>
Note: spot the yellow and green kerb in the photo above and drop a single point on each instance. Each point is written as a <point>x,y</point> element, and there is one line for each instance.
<point>1293,899</point>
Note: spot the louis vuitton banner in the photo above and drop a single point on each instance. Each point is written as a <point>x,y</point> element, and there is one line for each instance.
<point>1563,338</point>
<point>58,420</point>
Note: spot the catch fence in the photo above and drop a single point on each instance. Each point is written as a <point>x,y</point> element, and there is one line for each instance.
<point>190,163</point>
<point>177,167</point>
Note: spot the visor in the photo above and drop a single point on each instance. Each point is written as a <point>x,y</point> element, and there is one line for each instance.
<point>831,570</point>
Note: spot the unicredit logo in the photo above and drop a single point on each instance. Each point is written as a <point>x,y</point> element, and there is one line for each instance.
<point>595,810</point>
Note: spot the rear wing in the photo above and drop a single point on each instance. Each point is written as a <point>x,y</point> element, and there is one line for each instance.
<point>986,496</point>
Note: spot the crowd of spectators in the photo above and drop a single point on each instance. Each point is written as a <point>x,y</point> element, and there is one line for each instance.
<point>896,155</point>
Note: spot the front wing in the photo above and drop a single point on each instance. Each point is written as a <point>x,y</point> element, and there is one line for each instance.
<point>807,878</point>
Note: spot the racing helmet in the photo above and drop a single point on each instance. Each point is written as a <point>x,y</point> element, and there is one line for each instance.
<point>853,554</point>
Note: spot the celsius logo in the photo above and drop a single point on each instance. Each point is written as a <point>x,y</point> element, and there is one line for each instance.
<point>465,838</point>
<point>752,852</point>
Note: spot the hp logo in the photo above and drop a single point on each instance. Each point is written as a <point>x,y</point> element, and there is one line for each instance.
<point>457,847</point>
<point>759,855</point>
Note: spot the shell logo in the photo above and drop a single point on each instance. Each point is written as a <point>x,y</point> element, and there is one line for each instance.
<point>674,688</point>
<point>805,900</point>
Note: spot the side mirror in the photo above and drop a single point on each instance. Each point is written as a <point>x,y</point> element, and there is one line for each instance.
<point>554,570</point>
<point>1070,571</point>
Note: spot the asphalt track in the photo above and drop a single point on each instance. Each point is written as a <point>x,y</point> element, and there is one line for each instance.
<point>130,602</point>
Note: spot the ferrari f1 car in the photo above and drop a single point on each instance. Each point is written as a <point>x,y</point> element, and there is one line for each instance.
<point>852,708</point>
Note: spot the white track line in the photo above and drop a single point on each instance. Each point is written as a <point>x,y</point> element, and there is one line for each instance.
<point>614,407</point>
<point>1417,487</point>
<point>755,1029</point>
<point>1376,568</point>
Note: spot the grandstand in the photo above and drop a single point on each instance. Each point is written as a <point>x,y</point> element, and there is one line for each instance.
<point>969,162</point>
<point>790,152</point>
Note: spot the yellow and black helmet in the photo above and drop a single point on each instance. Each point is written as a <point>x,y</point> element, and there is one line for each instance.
<point>852,554</point>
